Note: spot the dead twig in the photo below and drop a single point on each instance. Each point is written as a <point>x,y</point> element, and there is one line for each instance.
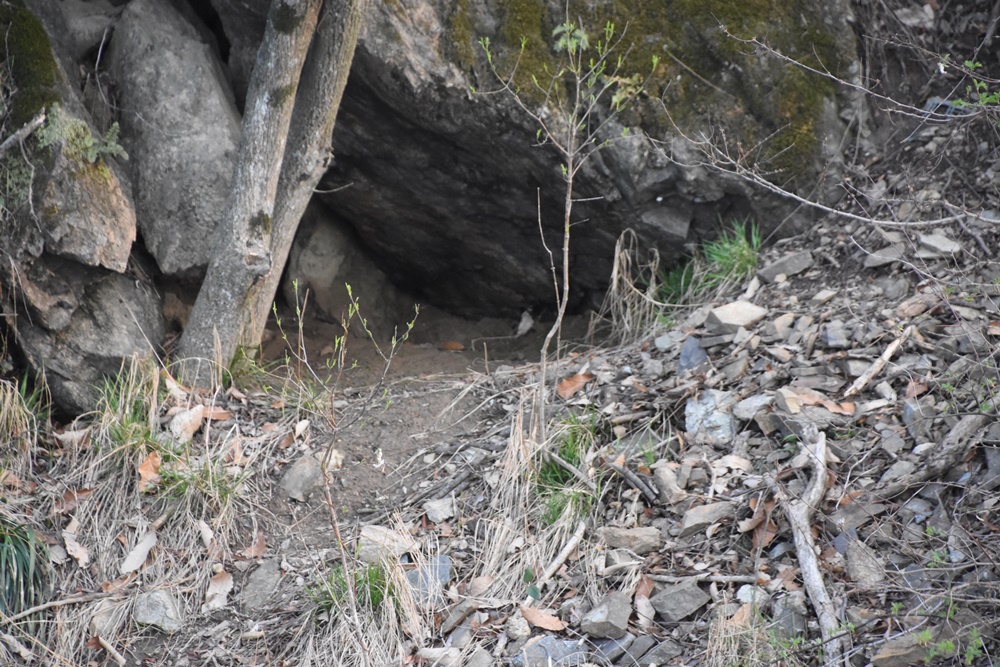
<point>573,543</point>
<point>115,655</point>
<point>7,620</point>
<point>876,367</point>
<point>799,513</point>
<point>635,482</point>
<point>22,134</point>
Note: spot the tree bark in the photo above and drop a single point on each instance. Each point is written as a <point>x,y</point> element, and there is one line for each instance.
<point>310,142</point>
<point>292,104</point>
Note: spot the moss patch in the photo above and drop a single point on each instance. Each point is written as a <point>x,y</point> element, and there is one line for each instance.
<point>284,19</point>
<point>706,78</point>
<point>282,95</point>
<point>260,224</point>
<point>28,53</point>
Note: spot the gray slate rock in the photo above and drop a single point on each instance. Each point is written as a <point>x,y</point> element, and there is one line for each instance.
<point>639,540</point>
<point>303,478</point>
<point>707,418</point>
<point>609,650</point>
<point>663,653</point>
<point>429,581</point>
<point>665,479</point>
<point>479,658</point>
<point>158,609</point>
<point>729,318</point>
<point>261,585</point>
<point>692,355</point>
<point>180,127</point>
<point>887,255</point>
<point>636,650</point>
<point>678,601</point>
<point>789,265</point>
<point>700,517</point>
<point>550,650</point>
<point>609,619</point>
<point>748,408</point>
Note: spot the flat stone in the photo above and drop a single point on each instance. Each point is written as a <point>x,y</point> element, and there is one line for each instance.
<point>158,609</point>
<point>700,517</point>
<point>479,658</point>
<point>678,601</point>
<point>863,566</point>
<point>692,355</point>
<point>900,651</point>
<point>823,296</point>
<point>661,654</point>
<point>429,581</point>
<point>302,479</point>
<point>609,650</point>
<point>789,265</point>
<point>458,613</point>
<point>791,614</point>
<point>668,341</point>
<point>439,510</point>
<point>667,484</point>
<point>835,335</point>
<point>639,540</point>
<point>550,650</point>
<point>261,584</point>
<point>639,647</point>
<point>780,327</point>
<point>609,619</point>
<point>708,420</point>
<point>377,542</point>
<point>729,318</point>
<point>939,244</point>
<point>748,408</point>
<point>887,255</point>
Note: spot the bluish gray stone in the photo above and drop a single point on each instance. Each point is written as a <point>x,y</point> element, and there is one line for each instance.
<point>428,582</point>
<point>550,651</point>
<point>678,601</point>
<point>692,356</point>
<point>609,619</point>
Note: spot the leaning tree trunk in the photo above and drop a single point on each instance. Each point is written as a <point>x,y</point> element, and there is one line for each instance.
<point>271,186</point>
<point>310,139</point>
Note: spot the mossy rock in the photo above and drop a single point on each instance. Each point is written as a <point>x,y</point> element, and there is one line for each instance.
<point>705,77</point>
<point>27,51</point>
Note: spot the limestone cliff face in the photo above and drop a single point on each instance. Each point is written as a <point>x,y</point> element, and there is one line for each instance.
<point>440,183</point>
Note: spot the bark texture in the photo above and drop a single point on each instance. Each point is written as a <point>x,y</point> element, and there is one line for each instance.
<point>241,254</point>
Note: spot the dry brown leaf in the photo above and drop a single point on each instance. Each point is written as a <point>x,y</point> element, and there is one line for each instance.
<point>79,552</point>
<point>76,439</point>
<point>763,534</point>
<point>915,388</point>
<point>186,423</point>
<point>257,549</point>
<point>542,619</point>
<point>568,387</point>
<point>175,391</point>
<point>451,346</point>
<point>235,455</point>
<point>135,558</point>
<point>217,413</point>
<point>149,471</point>
<point>479,585</point>
<point>219,587</point>
<point>993,328</point>
<point>118,584</point>
<point>70,500</point>
<point>741,618</point>
<point>94,644</point>
<point>787,578</point>
<point>9,479</point>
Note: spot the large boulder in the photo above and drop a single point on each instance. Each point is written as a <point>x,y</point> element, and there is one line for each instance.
<point>441,183</point>
<point>180,125</point>
<point>116,318</point>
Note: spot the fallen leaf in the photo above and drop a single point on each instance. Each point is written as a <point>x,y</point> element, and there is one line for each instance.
<point>93,644</point>
<point>257,549</point>
<point>149,471</point>
<point>235,455</point>
<point>451,346</point>
<point>993,328</point>
<point>219,587</point>
<point>479,585</point>
<point>118,584</point>
<point>70,500</point>
<point>542,619</point>
<point>741,618</point>
<point>186,423</point>
<point>217,413</point>
<point>79,552</point>
<point>175,391</point>
<point>76,439</point>
<point>301,428</point>
<point>763,534</point>
<point>570,386</point>
<point>915,388</point>
<point>207,534</point>
<point>135,558</point>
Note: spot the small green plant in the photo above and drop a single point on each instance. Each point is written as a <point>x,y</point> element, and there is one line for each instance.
<point>733,256</point>
<point>974,649</point>
<point>896,608</point>
<point>370,582</point>
<point>23,569</point>
<point>80,144</point>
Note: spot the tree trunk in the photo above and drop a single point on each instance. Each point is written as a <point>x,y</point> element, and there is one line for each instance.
<point>271,185</point>
<point>310,139</point>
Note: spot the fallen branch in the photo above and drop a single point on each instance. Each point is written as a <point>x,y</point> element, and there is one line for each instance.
<point>711,578</point>
<point>7,620</point>
<point>877,365</point>
<point>115,655</point>
<point>946,455</point>
<point>22,134</point>
<point>573,543</point>
<point>799,513</point>
<point>635,482</point>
